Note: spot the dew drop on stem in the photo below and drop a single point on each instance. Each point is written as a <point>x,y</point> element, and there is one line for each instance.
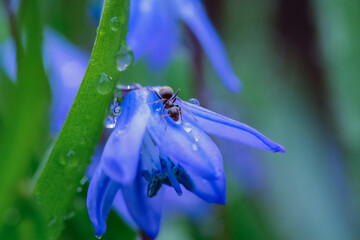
<point>105,84</point>
<point>124,57</point>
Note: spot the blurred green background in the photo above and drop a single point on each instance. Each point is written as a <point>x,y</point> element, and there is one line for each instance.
<point>299,62</point>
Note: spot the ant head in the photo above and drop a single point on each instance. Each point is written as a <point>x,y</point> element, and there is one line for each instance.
<point>166,92</point>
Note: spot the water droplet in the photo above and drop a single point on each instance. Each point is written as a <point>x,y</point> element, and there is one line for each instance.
<point>79,189</point>
<point>82,140</point>
<point>194,147</point>
<point>92,61</point>
<point>187,128</point>
<point>196,139</point>
<point>69,159</point>
<point>105,84</point>
<point>124,57</point>
<point>69,216</point>
<point>62,161</point>
<point>116,110</point>
<point>110,122</point>
<point>115,24</point>
<point>98,236</point>
<point>194,101</point>
<point>83,180</point>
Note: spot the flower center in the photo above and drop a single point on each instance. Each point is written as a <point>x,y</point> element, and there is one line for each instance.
<point>170,174</point>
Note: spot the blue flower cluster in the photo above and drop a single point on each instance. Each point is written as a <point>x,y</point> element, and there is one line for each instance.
<point>147,150</point>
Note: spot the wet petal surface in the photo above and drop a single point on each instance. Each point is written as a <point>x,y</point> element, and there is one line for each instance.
<point>101,193</point>
<point>185,143</point>
<point>219,125</point>
<point>121,152</point>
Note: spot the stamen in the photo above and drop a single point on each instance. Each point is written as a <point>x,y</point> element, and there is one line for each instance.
<point>166,164</point>
<point>170,174</point>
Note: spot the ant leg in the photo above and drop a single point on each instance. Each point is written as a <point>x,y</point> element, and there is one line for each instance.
<point>161,100</point>
<point>155,93</point>
<point>162,117</point>
<point>175,95</point>
<point>162,113</point>
<point>187,109</point>
<point>176,98</point>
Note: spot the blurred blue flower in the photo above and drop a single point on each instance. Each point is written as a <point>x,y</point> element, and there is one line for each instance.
<point>65,66</point>
<point>143,153</point>
<point>154,34</point>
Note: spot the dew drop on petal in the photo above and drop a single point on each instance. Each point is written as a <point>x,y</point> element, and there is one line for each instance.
<point>110,122</point>
<point>124,57</point>
<point>115,24</point>
<point>194,101</point>
<point>105,84</point>
<point>187,128</point>
<point>194,147</point>
<point>98,236</point>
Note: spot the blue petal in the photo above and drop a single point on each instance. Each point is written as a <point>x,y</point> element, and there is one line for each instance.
<point>185,143</point>
<point>8,58</point>
<point>101,193</point>
<point>193,14</point>
<point>120,207</point>
<point>122,150</point>
<point>145,211</point>
<point>218,125</point>
<point>211,191</point>
<point>66,66</point>
<point>157,45</point>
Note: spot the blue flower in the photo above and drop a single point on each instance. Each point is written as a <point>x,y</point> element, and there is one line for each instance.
<point>154,34</point>
<point>65,66</point>
<point>145,152</point>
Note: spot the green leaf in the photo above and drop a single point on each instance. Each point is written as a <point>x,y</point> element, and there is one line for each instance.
<point>24,122</point>
<point>56,186</point>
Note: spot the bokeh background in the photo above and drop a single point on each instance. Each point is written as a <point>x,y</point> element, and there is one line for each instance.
<point>299,62</point>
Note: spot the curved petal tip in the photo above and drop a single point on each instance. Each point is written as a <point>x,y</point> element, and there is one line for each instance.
<point>279,148</point>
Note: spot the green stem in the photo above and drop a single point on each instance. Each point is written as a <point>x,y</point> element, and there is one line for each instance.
<point>56,187</point>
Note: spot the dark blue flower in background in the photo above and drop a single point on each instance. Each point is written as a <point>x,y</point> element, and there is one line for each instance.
<point>143,154</point>
<point>65,66</point>
<point>154,34</point>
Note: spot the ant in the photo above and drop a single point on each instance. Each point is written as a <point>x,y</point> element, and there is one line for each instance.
<point>166,95</point>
